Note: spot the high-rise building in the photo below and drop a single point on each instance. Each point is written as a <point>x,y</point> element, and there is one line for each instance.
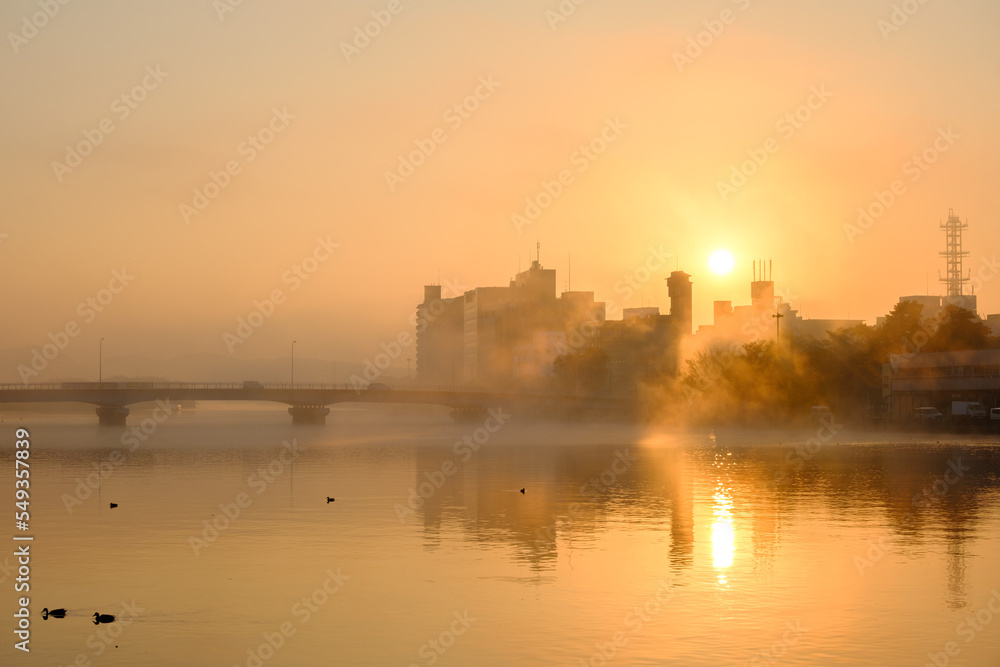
<point>439,330</point>
<point>681,302</point>
<point>493,336</point>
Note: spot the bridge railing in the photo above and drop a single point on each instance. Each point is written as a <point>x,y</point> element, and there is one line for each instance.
<point>272,386</point>
<point>47,386</point>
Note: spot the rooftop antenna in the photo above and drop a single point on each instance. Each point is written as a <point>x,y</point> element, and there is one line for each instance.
<point>770,268</point>
<point>755,270</point>
<point>538,252</point>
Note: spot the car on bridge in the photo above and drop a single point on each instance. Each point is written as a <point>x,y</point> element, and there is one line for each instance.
<point>252,384</point>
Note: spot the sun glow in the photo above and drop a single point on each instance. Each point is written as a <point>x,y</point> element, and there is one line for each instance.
<point>721,262</point>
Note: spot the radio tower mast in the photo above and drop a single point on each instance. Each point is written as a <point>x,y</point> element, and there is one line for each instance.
<point>953,254</point>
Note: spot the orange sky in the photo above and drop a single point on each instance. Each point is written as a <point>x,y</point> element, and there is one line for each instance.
<point>210,81</point>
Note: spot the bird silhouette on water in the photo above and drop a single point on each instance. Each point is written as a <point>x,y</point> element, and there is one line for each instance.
<point>55,613</point>
<point>103,618</point>
<point>114,505</point>
<point>522,492</point>
<point>329,500</point>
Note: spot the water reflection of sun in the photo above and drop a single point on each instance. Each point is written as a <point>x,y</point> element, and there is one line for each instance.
<point>722,530</point>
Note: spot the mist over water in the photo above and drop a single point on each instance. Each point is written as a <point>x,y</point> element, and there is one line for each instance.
<point>628,546</point>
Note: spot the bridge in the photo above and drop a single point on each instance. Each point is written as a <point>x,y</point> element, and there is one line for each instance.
<point>309,402</point>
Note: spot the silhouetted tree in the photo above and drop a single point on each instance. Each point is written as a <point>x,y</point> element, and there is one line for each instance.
<point>959,329</point>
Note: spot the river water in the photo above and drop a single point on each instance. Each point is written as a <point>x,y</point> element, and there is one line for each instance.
<point>629,545</point>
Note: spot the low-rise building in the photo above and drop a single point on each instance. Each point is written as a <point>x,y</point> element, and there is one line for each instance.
<point>935,379</point>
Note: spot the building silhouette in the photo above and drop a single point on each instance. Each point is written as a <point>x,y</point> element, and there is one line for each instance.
<point>499,336</point>
<point>757,320</point>
<point>512,337</point>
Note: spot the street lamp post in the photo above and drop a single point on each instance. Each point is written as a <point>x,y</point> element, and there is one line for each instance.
<point>293,364</point>
<point>777,328</point>
<point>100,362</point>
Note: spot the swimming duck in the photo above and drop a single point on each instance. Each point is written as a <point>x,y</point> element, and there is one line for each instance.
<point>55,613</point>
<point>103,618</point>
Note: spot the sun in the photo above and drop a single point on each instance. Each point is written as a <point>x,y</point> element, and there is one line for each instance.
<point>721,262</point>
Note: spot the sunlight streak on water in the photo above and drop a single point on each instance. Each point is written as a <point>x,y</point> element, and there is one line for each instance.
<point>723,535</point>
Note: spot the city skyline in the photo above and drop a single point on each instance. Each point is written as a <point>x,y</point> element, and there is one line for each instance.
<point>506,332</point>
<point>222,162</point>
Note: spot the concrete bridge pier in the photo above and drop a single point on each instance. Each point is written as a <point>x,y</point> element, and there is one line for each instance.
<point>112,415</point>
<point>309,414</point>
